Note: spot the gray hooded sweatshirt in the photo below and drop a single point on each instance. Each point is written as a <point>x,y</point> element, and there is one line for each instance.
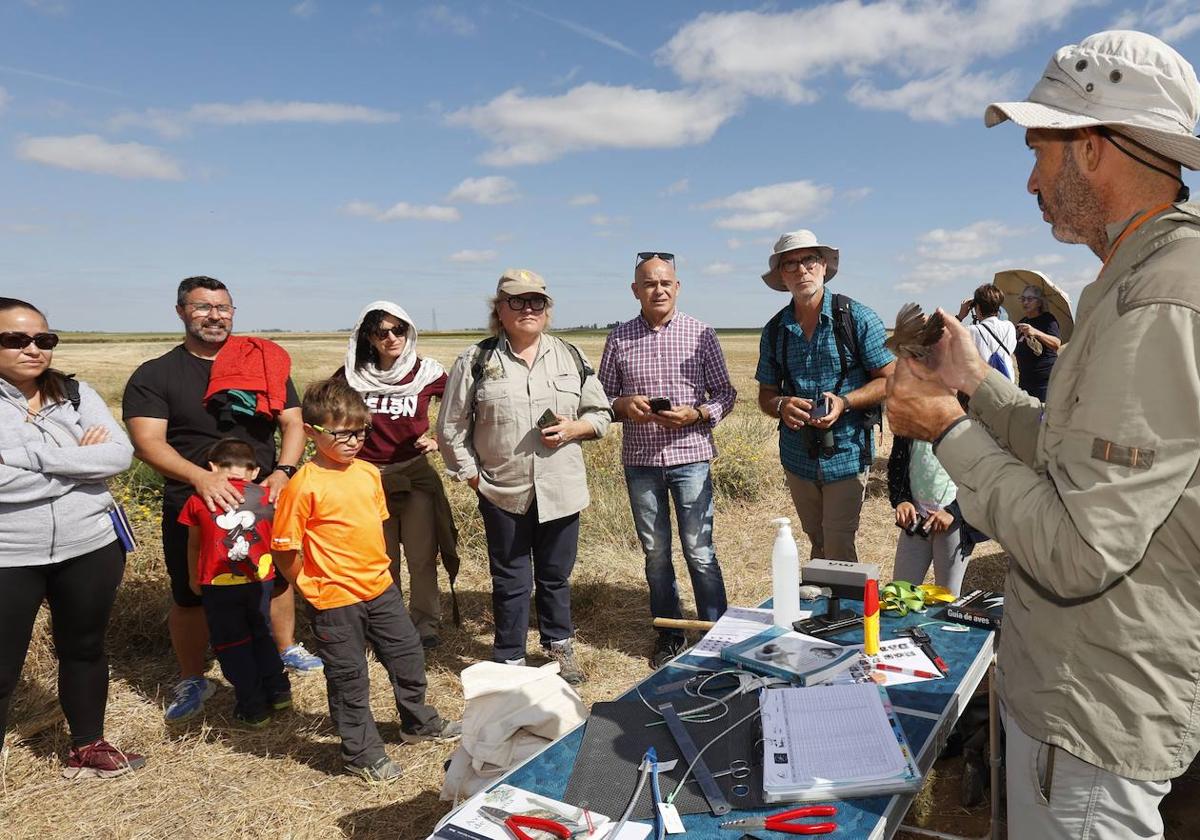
<point>53,500</point>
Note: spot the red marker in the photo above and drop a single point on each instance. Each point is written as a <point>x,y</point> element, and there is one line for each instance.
<point>911,672</point>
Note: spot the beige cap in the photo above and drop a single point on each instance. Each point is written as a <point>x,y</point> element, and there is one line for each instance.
<point>794,241</point>
<point>1127,80</point>
<point>521,281</point>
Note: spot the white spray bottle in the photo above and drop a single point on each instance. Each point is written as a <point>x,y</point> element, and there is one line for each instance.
<point>785,575</point>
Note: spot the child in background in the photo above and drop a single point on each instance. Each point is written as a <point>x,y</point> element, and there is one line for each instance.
<point>229,567</point>
<point>334,509</point>
<point>919,489</point>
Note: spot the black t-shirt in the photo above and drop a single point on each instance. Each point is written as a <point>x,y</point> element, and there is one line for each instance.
<point>1035,370</point>
<point>172,388</point>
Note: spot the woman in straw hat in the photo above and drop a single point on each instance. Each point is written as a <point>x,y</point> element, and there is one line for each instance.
<point>1037,350</point>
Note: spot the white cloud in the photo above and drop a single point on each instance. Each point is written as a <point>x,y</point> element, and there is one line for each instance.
<point>973,242</point>
<point>771,206</point>
<point>856,194</point>
<point>442,16</point>
<point>1047,260</point>
<point>92,153</point>
<point>604,220</point>
<point>304,9</point>
<point>536,129</point>
<point>401,210</point>
<point>583,200</point>
<point>680,186</point>
<point>471,256</point>
<point>946,97</point>
<point>504,237</point>
<point>1171,20</point>
<point>494,189</point>
<point>253,111</point>
<point>733,244</point>
<point>781,54</point>
<point>716,269</point>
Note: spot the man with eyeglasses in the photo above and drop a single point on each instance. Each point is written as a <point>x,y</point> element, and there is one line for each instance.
<point>666,379</point>
<point>822,371</point>
<point>172,429</point>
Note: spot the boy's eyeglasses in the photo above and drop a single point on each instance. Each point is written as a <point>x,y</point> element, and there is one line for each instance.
<point>399,331</point>
<point>20,340</point>
<point>535,302</point>
<point>225,310</point>
<point>792,266</point>
<point>345,435</point>
<point>650,255</point>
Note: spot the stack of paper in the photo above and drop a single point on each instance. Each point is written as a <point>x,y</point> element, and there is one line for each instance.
<point>836,741</point>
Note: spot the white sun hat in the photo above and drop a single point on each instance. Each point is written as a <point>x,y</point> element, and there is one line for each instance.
<point>794,241</point>
<point>1129,81</point>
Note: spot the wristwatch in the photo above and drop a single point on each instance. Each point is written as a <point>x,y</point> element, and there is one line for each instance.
<point>287,469</point>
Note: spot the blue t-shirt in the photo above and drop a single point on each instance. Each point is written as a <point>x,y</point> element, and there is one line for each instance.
<point>814,368</point>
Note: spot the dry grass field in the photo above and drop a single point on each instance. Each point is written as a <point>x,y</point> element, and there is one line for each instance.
<point>210,779</point>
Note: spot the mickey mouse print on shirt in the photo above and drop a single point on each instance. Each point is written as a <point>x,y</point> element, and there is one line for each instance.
<point>235,545</point>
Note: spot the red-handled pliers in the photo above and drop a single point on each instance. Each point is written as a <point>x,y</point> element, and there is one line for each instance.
<point>515,822</point>
<point>785,821</point>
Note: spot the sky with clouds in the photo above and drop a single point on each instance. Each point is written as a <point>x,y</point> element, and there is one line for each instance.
<point>317,155</point>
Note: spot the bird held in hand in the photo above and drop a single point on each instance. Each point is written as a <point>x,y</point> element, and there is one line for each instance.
<point>915,332</point>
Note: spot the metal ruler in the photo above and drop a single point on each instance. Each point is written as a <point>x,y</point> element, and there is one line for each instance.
<point>717,803</point>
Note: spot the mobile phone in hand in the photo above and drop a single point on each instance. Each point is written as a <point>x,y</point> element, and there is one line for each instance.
<point>659,404</point>
<point>820,407</point>
<point>548,418</point>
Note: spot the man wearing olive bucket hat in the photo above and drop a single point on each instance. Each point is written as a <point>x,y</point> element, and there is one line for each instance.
<point>822,371</point>
<point>1096,495</point>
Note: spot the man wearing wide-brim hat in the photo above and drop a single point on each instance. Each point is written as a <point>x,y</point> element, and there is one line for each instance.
<point>1095,495</point>
<point>822,368</point>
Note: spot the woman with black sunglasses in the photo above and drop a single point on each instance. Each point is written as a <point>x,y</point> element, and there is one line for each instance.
<point>397,385</point>
<point>58,445</point>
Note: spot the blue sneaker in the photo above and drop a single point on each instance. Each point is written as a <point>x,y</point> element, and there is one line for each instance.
<point>190,694</point>
<point>299,661</point>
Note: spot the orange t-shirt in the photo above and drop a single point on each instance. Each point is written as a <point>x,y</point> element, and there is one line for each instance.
<point>336,518</point>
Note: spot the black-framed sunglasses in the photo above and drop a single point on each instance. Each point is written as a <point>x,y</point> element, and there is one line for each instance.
<point>345,435</point>
<point>650,255</point>
<point>399,331</point>
<point>792,266</point>
<point>535,302</point>
<point>20,340</point>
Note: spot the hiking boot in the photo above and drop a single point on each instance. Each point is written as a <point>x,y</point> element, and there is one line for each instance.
<point>442,731</point>
<point>299,661</point>
<point>519,661</point>
<point>563,652</point>
<point>380,772</point>
<point>257,721</point>
<point>281,702</point>
<point>100,760</point>
<point>190,694</point>
<point>430,642</point>
<point>666,647</point>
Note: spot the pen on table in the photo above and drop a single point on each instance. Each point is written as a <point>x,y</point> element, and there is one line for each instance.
<point>928,650</point>
<point>911,672</point>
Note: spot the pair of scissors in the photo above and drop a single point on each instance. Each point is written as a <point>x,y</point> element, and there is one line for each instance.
<point>785,821</point>
<point>516,822</point>
<point>738,768</point>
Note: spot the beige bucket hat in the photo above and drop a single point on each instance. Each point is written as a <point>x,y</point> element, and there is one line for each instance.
<point>522,281</point>
<point>794,241</point>
<point>1129,81</point>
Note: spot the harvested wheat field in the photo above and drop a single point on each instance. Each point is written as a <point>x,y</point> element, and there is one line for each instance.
<point>210,779</point>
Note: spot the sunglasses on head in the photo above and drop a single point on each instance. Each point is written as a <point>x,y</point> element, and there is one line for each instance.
<point>20,340</point>
<point>399,331</point>
<point>650,255</point>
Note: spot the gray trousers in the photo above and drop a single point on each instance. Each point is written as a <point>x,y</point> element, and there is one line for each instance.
<point>1052,795</point>
<point>342,635</point>
<point>914,554</point>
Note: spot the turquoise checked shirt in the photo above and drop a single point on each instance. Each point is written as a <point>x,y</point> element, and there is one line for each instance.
<point>814,368</point>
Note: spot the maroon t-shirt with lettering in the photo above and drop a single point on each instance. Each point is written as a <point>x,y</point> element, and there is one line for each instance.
<point>396,422</point>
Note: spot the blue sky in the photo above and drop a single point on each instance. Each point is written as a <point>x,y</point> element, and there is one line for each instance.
<point>316,155</point>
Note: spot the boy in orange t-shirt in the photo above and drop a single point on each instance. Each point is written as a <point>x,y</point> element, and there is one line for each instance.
<point>333,509</point>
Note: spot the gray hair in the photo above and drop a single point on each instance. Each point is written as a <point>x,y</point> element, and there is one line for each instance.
<point>1037,292</point>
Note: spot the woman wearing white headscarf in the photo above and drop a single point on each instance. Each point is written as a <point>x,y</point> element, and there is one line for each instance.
<point>397,385</point>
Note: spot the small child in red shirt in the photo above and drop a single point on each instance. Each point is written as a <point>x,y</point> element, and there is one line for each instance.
<point>229,565</point>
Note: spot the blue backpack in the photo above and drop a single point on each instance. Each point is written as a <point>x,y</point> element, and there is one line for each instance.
<point>1000,358</point>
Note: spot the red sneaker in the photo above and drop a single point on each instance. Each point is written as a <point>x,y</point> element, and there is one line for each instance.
<point>100,760</point>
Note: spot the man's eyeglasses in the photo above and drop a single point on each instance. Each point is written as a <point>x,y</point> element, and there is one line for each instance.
<point>792,266</point>
<point>650,255</point>
<point>399,331</point>
<point>223,309</point>
<point>20,340</point>
<point>535,302</point>
<point>345,435</point>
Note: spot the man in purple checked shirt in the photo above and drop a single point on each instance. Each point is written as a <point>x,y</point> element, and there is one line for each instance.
<point>666,379</point>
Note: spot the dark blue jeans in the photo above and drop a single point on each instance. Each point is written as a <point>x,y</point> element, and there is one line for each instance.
<point>239,628</point>
<point>513,540</point>
<point>651,490</point>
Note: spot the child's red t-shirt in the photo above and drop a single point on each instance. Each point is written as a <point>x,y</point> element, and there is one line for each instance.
<point>235,546</point>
